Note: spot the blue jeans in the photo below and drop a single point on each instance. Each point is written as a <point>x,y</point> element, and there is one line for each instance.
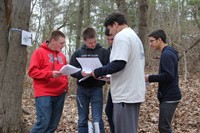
<point>49,110</point>
<point>85,96</point>
<point>109,111</point>
<point>167,111</point>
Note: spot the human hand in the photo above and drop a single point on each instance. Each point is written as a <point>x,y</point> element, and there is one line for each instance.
<point>105,78</point>
<point>84,74</point>
<point>147,77</point>
<point>56,74</point>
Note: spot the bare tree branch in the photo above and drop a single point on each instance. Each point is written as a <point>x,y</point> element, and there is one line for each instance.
<point>191,47</point>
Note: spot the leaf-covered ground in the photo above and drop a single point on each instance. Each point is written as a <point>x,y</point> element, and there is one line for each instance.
<point>186,119</point>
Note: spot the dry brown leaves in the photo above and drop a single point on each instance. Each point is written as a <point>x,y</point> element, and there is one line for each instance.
<point>186,119</point>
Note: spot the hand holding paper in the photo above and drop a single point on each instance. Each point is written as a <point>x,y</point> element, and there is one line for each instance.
<point>69,69</point>
<point>56,74</point>
<point>105,78</point>
<point>85,76</point>
<point>88,65</point>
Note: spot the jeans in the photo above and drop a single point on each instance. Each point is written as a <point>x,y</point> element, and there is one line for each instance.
<point>109,112</point>
<point>85,96</point>
<point>167,111</point>
<point>49,110</point>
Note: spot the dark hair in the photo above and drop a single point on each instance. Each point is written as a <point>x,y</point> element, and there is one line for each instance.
<point>158,34</point>
<point>115,17</point>
<point>107,32</point>
<point>56,34</point>
<point>88,33</point>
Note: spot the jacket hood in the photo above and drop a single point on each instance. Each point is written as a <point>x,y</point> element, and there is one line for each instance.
<point>85,47</point>
<point>45,46</point>
<point>172,50</point>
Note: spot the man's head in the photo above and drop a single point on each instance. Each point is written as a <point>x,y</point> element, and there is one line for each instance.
<point>157,39</point>
<point>57,41</point>
<point>109,37</point>
<point>89,37</point>
<point>113,21</point>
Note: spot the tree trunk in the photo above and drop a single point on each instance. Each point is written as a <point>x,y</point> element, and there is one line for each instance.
<point>143,22</point>
<point>122,6</point>
<point>88,10</point>
<point>13,65</point>
<point>3,42</point>
<point>79,23</point>
<point>185,68</point>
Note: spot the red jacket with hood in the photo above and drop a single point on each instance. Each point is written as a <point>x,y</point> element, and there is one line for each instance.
<point>43,62</point>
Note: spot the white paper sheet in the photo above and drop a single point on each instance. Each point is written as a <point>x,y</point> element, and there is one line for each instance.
<point>89,64</point>
<point>26,38</point>
<point>69,69</point>
<point>84,78</point>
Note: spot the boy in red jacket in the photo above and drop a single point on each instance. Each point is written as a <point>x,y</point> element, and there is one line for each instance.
<point>50,86</point>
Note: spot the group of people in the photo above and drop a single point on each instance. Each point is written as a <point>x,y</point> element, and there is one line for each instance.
<point>124,60</point>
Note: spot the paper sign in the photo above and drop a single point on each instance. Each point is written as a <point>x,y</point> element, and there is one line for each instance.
<point>26,38</point>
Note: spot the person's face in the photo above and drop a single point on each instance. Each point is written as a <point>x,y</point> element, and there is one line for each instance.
<point>58,44</point>
<point>110,39</point>
<point>91,42</point>
<point>154,43</point>
<point>113,29</point>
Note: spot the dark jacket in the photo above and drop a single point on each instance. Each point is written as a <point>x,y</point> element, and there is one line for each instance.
<point>168,78</point>
<point>85,52</point>
<point>109,49</point>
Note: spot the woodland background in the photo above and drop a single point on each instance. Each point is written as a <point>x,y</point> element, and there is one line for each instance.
<point>179,18</point>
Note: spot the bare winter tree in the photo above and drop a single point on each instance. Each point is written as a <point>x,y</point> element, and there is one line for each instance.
<point>88,10</point>
<point>122,6</point>
<point>79,23</point>
<point>13,58</point>
<point>143,22</point>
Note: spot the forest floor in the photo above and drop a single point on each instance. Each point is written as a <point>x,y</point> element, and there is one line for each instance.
<point>186,119</point>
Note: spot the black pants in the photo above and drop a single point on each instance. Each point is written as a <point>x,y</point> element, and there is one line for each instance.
<point>166,114</point>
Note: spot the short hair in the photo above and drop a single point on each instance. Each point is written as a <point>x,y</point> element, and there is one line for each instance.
<point>88,33</point>
<point>115,17</point>
<point>107,32</point>
<point>56,34</point>
<point>159,34</point>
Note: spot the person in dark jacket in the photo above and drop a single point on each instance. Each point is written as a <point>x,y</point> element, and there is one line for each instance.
<point>109,103</point>
<point>89,91</point>
<point>169,93</point>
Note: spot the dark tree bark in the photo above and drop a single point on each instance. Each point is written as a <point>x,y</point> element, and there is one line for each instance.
<point>13,58</point>
<point>88,10</point>
<point>79,23</point>
<point>122,6</point>
<point>143,22</point>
